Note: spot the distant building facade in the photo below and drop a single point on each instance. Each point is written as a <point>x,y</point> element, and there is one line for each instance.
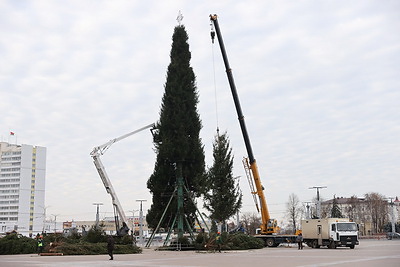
<point>356,209</point>
<point>22,188</point>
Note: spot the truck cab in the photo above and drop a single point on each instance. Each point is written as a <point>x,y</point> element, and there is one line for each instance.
<point>344,234</point>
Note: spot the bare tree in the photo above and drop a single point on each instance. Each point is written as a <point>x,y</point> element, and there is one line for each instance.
<point>378,210</point>
<point>294,211</point>
<point>355,209</point>
<point>251,222</point>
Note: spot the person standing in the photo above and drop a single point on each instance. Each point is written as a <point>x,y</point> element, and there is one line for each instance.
<point>110,246</point>
<point>299,240</point>
<point>40,244</point>
<point>219,241</point>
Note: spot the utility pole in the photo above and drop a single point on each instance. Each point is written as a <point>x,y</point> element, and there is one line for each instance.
<point>133,227</point>
<point>392,220</point>
<point>44,217</point>
<point>97,214</point>
<point>133,219</point>
<point>55,222</point>
<point>308,213</point>
<point>141,221</point>
<point>318,199</point>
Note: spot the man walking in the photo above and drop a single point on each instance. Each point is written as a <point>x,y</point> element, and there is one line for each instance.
<point>110,246</point>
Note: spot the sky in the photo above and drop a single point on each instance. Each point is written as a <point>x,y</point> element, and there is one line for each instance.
<point>318,83</point>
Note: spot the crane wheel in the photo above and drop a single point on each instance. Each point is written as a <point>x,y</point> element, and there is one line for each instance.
<point>270,242</point>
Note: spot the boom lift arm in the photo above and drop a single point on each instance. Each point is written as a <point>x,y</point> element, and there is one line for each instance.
<point>95,154</point>
<point>268,226</point>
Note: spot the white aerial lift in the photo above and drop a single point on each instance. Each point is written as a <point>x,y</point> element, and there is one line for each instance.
<point>96,153</point>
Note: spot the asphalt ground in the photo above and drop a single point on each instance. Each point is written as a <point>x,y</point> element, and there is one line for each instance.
<point>382,253</point>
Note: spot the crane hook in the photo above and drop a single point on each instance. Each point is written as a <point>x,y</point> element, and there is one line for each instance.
<point>212,33</point>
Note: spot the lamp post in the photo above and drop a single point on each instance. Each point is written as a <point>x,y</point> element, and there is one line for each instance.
<point>44,217</point>
<point>141,220</point>
<point>308,214</point>
<point>55,222</point>
<point>392,219</point>
<point>133,220</point>
<point>133,227</point>
<point>318,201</point>
<point>97,214</point>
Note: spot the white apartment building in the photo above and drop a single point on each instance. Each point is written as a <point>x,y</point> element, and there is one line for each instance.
<point>22,188</point>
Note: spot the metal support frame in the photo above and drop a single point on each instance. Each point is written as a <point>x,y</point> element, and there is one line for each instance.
<point>180,217</point>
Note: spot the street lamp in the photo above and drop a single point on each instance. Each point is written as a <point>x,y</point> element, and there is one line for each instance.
<point>97,214</point>
<point>141,220</point>
<point>308,214</point>
<point>318,201</point>
<point>44,217</point>
<point>392,219</point>
<point>55,222</point>
<point>133,219</point>
<point>133,227</point>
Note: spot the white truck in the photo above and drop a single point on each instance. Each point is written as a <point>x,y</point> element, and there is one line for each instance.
<point>331,232</point>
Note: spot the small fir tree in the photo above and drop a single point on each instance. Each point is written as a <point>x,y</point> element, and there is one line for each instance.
<point>223,198</point>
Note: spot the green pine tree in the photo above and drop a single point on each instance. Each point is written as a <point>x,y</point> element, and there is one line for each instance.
<point>335,211</point>
<point>223,198</point>
<point>177,142</point>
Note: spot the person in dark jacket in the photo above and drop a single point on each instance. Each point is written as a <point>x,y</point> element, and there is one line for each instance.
<point>299,240</point>
<point>110,246</point>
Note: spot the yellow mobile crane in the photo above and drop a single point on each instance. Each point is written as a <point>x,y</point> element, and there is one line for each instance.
<point>269,227</point>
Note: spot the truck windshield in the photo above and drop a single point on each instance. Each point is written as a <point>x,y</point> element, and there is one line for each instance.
<point>346,227</point>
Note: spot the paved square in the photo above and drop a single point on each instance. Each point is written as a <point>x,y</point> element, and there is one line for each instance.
<point>368,253</point>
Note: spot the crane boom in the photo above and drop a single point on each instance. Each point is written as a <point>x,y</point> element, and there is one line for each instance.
<point>268,225</point>
<point>95,154</point>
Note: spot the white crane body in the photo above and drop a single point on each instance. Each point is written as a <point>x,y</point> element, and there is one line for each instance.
<point>95,154</point>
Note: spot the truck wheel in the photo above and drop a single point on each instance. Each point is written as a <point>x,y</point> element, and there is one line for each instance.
<point>270,242</point>
<point>332,245</point>
<point>352,246</point>
<point>315,244</point>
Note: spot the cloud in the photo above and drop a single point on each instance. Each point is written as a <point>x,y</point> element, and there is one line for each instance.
<point>318,83</point>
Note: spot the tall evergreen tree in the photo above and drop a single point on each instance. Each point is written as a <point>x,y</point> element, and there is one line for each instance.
<point>176,141</point>
<point>223,198</point>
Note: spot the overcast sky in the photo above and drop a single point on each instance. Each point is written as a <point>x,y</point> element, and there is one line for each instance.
<point>318,82</point>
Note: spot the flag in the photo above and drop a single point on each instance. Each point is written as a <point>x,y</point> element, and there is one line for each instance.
<point>11,133</point>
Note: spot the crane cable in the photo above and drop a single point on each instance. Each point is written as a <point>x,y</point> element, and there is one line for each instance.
<point>215,83</point>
